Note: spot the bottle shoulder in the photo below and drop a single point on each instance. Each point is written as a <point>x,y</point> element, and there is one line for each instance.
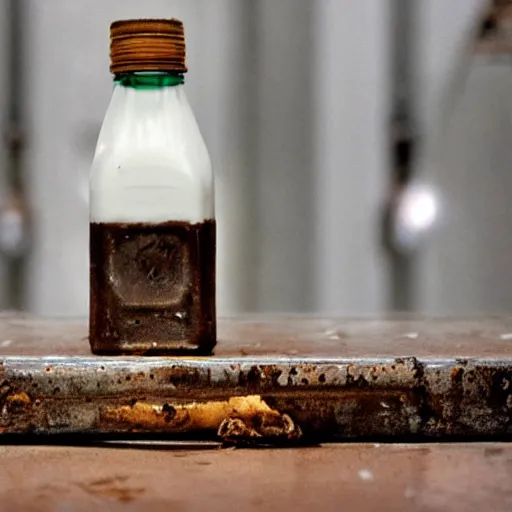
<point>151,129</point>
<point>151,162</point>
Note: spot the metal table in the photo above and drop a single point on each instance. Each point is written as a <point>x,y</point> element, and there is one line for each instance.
<point>271,380</point>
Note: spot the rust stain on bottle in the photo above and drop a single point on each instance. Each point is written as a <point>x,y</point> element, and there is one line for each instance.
<point>152,288</point>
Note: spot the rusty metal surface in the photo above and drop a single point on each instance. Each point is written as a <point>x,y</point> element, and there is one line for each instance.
<point>456,477</point>
<point>271,379</point>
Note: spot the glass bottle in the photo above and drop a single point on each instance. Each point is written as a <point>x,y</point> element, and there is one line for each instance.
<point>152,223</point>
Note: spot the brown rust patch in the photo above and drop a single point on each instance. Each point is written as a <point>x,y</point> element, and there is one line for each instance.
<point>260,428</point>
<point>18,400</point>
<point>4,392</point>
<point>457,374</point>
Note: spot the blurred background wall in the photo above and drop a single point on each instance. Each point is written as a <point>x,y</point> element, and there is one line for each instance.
<point>295,99</point>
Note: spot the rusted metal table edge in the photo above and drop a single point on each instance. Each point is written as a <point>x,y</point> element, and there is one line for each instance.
<point>328,398</point>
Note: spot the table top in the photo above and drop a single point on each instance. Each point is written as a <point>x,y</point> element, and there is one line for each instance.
<point>292,336</point>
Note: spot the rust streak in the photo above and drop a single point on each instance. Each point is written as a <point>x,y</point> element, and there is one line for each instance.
<point>188,417</point>
<point>18,399</point>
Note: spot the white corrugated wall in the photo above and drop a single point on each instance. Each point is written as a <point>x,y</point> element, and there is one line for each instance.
<point>293,97</point>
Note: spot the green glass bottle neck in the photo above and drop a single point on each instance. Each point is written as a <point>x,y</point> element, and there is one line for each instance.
<point>148,80</point>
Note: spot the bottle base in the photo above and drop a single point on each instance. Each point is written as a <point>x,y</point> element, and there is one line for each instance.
<point>153,288</point>
<point>130,349</point>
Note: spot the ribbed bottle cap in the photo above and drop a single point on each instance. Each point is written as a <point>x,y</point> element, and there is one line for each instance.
<point>147,45</point>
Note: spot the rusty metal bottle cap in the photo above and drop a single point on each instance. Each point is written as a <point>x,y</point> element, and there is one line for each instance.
<point>147,45</point>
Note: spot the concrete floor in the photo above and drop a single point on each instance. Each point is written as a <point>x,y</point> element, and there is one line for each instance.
<point>362,477</point>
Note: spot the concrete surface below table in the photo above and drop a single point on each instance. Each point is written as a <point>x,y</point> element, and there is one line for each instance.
<point>362,477</point>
